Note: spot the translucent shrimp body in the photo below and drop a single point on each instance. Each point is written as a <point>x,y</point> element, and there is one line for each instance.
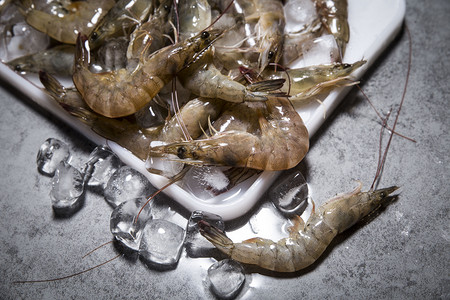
<point>309,81</point>
<point>281,142</point>
<point>304,245</point>
<point>333,14</point>
<point>79,17</point>
<point>123,92</point>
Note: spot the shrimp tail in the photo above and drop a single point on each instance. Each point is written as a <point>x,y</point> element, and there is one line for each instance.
<point>217,237</point>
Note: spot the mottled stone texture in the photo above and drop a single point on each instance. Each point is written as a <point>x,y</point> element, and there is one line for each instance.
<point>402,253</point>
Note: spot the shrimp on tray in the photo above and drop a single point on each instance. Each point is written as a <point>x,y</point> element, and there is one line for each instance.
<point>280,142</point>
<point>123,92</point>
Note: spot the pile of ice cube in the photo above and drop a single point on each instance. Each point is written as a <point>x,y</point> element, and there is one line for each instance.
<point>146,228</point>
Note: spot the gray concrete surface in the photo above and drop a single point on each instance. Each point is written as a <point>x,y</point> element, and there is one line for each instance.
<point>402,253</point>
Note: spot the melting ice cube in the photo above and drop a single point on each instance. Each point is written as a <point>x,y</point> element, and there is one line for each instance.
<point>321,50</point>
<point>161,244</point>
<point>299,15</point>
<point>123,223</point>
<point>206,182</point>
<point>226,278</point>
<point>51,153</point>
<point>126,183</point>
<point>290,195</point>
<point>102,163</point>
<point>196,244</point>
<point>67,188</point>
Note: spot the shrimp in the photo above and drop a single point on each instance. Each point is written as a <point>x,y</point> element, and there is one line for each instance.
<point>56,60</point>
<point>310,81</point>
<point>306,243</point>
<point>123,17</point>
<point>195,115</point>
<point>123,92</point>
<point>204,79</point>
<point>280,142</point>
<point>269,29</point>
<point>149,36</point>
<point>333,14</point>
<point>66,23</point>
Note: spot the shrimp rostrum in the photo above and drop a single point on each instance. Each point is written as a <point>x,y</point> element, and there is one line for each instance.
<point>306,243</point>
<point>123,92</point>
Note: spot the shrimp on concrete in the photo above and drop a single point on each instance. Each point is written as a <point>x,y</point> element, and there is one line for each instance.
<point>64,21</point>
<point>123,92</point>
<point>306,243</point>
<point>303,83</point>
<point>334,17</point>
<point>204,79</point>
<point>280,142</point>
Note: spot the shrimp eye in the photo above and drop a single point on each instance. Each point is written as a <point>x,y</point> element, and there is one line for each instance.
<point>205,35</point>
<point>270,54</point>
<point>94,36</point>
<point>181,152</point>
<point>167,7</point>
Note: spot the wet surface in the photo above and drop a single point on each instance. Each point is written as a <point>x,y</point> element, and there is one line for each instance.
<point>402,252</point>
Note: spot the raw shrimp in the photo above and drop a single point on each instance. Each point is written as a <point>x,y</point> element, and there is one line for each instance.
<point>333,14</point>
<point>56,60</point>
<point>204,79</point>
<point>269,29</point>
<point>120,19</point>
<point>194,115</point>
<point>123,92</point>
<point>309,81</point>
<point>149,36</point>
<point>305,243</point>
<point>66,23</point>
<point>280,143</point>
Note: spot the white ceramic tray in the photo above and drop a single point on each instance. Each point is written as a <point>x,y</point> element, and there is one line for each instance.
<point>373,25</point>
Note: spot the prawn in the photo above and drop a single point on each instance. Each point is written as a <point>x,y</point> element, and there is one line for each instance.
<point>280,142</point>
<point>122,17</point>
<point>66,23</point>
<point>269,29</point>
<point>204,79</point>
<point>56,60</point>
<point>123,92</point>
<point>306,243</point>
<point>333,15</point>
<point>303,83</point>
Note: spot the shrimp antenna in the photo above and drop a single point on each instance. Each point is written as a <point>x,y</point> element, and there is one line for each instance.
<point>177,18</point>
<point>381,164</point>
<point>176,107</point>
<point>68,276</point>
<point>171,181</point>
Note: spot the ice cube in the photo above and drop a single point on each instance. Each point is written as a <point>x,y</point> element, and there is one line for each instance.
<point>226,278</point>
<point>321,50</point>
<point>67,188</point>
<point>206,182</point>
<point>299,15</point>
<point>125,184</point>
<point>152,114</point>
<point>102,163</point>
<point>290,195</point>
<point>161,244</point>
<point>164,167</point>
<point>123,223</point>
<point>112,54</point>
<point>196,244</point>
<point>51,153</point>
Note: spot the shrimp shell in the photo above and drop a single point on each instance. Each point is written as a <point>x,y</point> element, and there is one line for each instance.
<point>304,245</point>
